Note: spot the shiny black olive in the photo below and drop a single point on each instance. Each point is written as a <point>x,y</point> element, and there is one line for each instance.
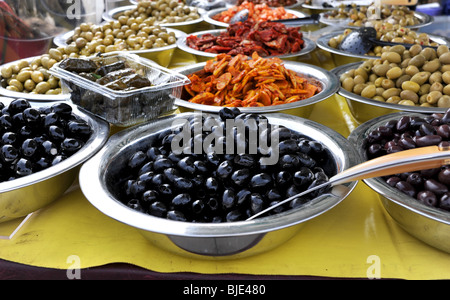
<point>274,195</point>
<point>18,105</point>
<point>24,167</point>
<point>162,163</point>
<point>18,120</point>
<point>79,128</point>
<point>9,138</point>
<point>137,160</point>
<point>146,178</point>
<point>181,200</point>
<point>70,145</point>
<point>176,216</point>
<point>226,113</point>
<point>29,148</point>
<point>283,178</point>
<point>165,190</point>
<point>234,215</point>
<point>51,119</point>
<point>42,164</point>
<point>187,165</point>
<point>241,177</point>
<point>135,205</point>
<point>256,203</point>
<point>303,177</point>
<point>225,169</point>
<point>6,122</point>
<point>213,204</point>
<point>49,148</point>
<point>62,109</point>
<point>8,153</point>
<point>56,133</point>
<point>288,146</point>
<point>228,199</point>
<point>183,184</point>
<point>137,188</point>
<point>261,181</point>
<point>243,196</point>
<point>147,167</point>
<point>198,206</point>
<point>158,209</point>
<point>152,152</point>
<point>149,196</point>
<point>428,198</point>
<point>158,179</point>
<point>289,162</point>
<point>31,116</point>
<point>171,174</point>
<point>244,160</point>
<point>211,185</point>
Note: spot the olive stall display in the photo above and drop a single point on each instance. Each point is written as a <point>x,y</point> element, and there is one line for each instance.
<point>212,187</point>
<point>416,77</point>
<point>431,186</point>
<point>34,139</point>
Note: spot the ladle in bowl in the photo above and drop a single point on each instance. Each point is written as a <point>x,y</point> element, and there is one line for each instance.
<point>400,162</point>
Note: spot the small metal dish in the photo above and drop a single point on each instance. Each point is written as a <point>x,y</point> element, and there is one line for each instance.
<point>424,19</point>
<point>208,17</point>
<point>31,97</point>
<point>209,240</point>
<point>161,55</point>
<point>309,46</point>
<point>428,224</point>
<point>25,195</point>
<point>187,26</point>
<point>364,109</point>
<point>303,108</point>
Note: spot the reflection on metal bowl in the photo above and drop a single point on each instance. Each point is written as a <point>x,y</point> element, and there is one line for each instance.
<point>428,224</point>
<point>209,240</point>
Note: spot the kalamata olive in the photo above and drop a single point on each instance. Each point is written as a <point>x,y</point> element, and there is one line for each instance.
<point>226,114</point>
<point>393,180</point>
<point>385,131</point>
<point>147,167</point>
<point>406,188</point>
<point>306,160</point>
<point>137,188</point>
<point>427,129</point>
<point>435,186</point>
<point>375,150</point>
<point>444,176</point>
<point>148,197</point>
<point>443,131</point>
<point>158,179</point>
<point>407,143</point>
<point>403,123</point>
<point>428,140</point>
<point>187,165</point>
<point>415,179</point>
<point>165,190</point>
<point>427,197</point>
<point>444,201</point>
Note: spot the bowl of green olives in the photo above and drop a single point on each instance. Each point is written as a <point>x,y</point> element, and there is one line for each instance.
<point>28,78</point>
<point>167,13</point>
<point>418,80</point>
<point>196,202</point>
<point>418,201</point>
<point>42,148</point>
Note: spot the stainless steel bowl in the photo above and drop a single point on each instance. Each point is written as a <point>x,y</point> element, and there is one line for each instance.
<point>160,55</point>
<point>341,57</point>
<point>229,240</point>
<point>424,20</point>
<point>208,17</point>
<point>187,26</point>
<point>28,96</point>
<point>428,224</point>
<point>309,46</point>
<point>364,109</point>
<point>303,108</point>
<point>23,196</point>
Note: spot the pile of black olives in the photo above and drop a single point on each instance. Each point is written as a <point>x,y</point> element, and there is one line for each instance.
<point>34,139</point>
<point>214,188</point>
<point>432,186</point>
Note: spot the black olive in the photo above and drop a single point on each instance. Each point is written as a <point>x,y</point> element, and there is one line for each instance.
<point>24,167</point>
<point>182,184</point>
<point>29,148</point>
<point>71,145</point>
<point>137,160</point>
<point>8,153</point>
<point>162,163</point>
<point>149,197</point>
<point>256,203</point>
<point>225,169</point>
<point>241,177</point>
<point>171,174</point>
<point>51,119</point>
<point>62,109</point>
<point>261,181</point>
<point>158,209</point>
<point>303,177</point>
<point>187,165</point>
<point>228,199</point>
<point>56,133</point>
<point>176,216</point>
<point>234,215</point>
<point>198,206</point>
<point>244,160</point>
<point>31,116</point>
<point>18,105</point>
<point>181,200</point>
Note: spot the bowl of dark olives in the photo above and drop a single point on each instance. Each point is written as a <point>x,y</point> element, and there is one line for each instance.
<point>189,182</point>
<point>42,147</point>
<point>418,201</point>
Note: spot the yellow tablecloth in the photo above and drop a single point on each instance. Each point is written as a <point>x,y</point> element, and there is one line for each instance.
<point>356,239</point>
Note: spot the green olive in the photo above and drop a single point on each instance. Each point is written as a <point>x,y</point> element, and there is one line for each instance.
<point>411,85</point>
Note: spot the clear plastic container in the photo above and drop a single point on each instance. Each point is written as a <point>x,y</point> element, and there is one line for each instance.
<point>124,108</point>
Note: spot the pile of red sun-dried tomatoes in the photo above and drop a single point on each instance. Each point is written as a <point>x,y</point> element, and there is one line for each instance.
<point>266,38</point>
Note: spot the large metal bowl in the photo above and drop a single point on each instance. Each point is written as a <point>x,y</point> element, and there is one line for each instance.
<point>309,46</point>
<point>160,55</point>
<point>303,108</point>
<point>428,224</point>
<point>187,26</point>
<point>229,240</point>
<point>23,196</point>
<point>341,57</point>
<point>364,109</point>
<point>31,97</point>
<point>208,17</point>
<point>424,20</point>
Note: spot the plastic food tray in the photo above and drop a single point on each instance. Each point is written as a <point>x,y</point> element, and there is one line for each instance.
<point>124,108</point>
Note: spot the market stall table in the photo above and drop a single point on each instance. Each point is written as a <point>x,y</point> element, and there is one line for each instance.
<point>356,239</point>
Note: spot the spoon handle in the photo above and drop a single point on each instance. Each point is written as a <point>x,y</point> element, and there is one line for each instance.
<point>400,162</point>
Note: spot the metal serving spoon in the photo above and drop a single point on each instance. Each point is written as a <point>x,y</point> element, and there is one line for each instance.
<point>242,16</point>
<point>399,162</point>
<point>362,40</point>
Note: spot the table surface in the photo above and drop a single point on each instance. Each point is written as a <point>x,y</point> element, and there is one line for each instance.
<point>356,239</point>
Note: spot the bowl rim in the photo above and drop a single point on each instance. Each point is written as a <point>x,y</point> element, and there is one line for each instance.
<point>354,97</point>
<point>60,41</point>
<point>109,16</point>
<point>310,45</point>
<point>100,134</point>
<point>329,80</point>
<point>357,137</point>
<point>208,16</point>
<point>31,97</point>
<point>92,183</point>
<point>424,18</point>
